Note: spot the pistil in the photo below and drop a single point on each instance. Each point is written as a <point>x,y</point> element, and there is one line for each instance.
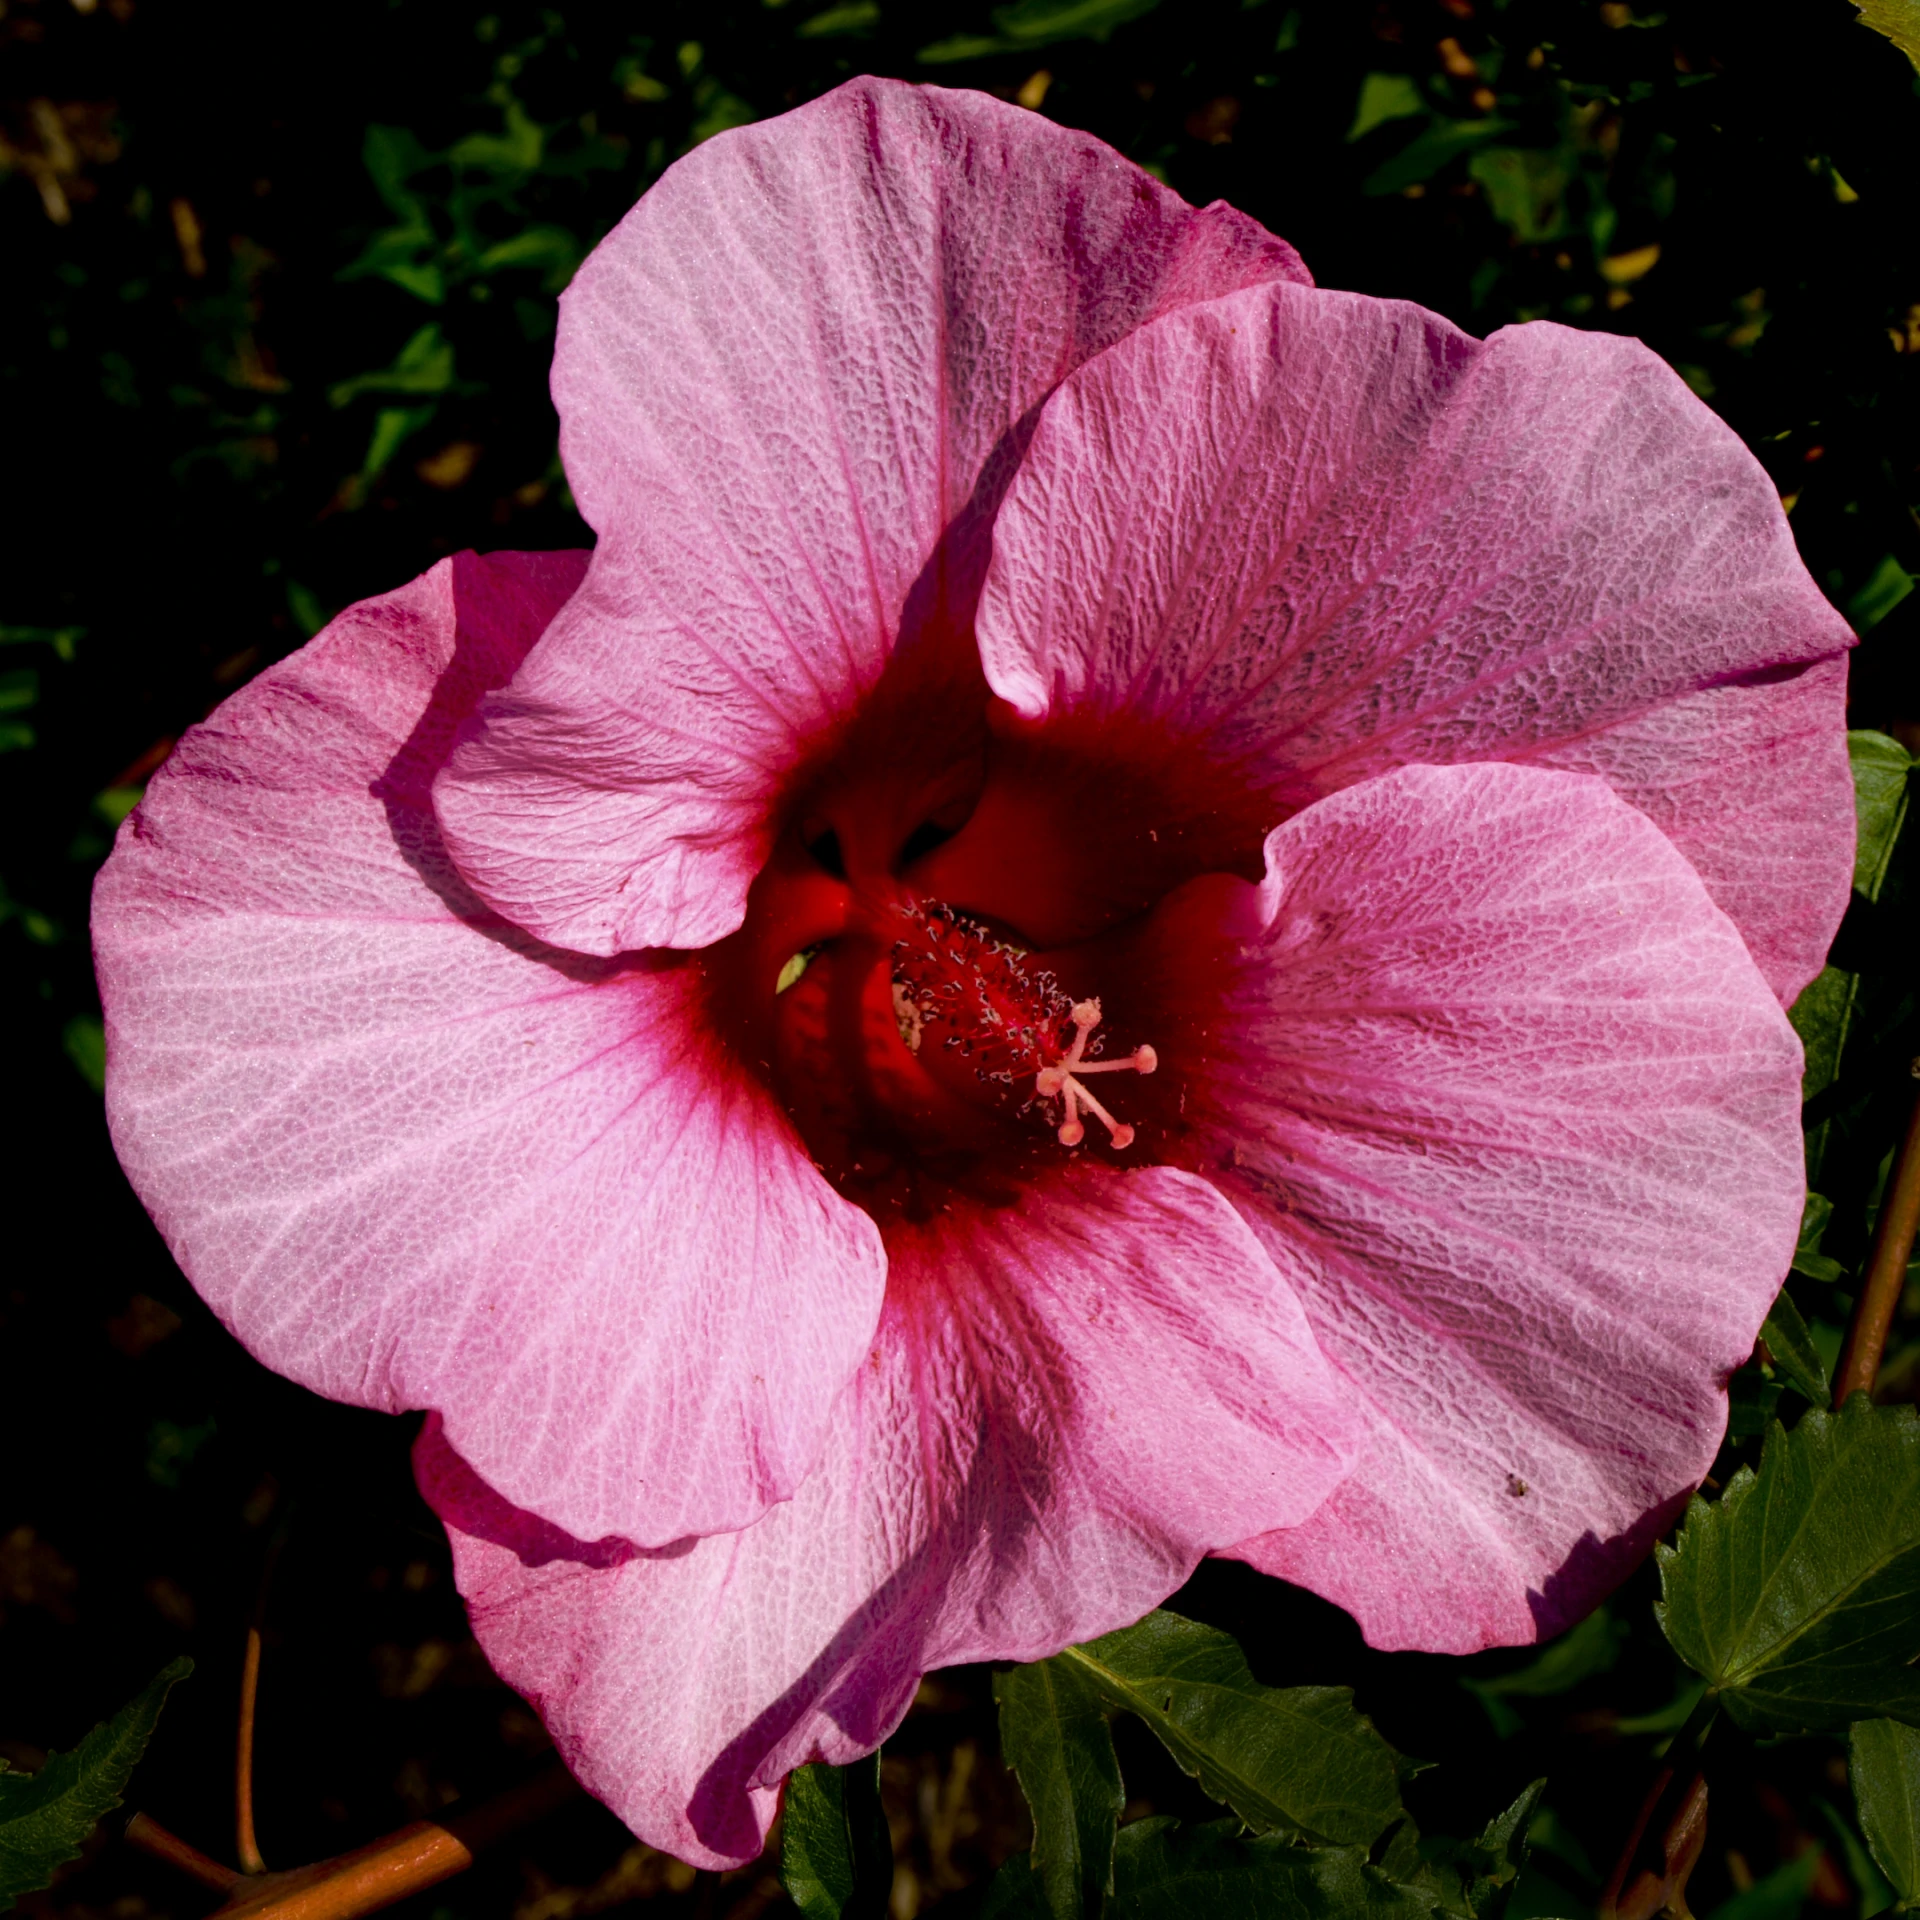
<point>1064,1079</point>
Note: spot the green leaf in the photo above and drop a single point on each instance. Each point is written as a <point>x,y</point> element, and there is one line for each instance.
<point>1527,189</point>
<point>1424,156</point>
<point>1384,97</point>
<point>60,639</point>
<point>45,1816</point>
<point>1857,1863</point>
<point>85,1041</point>
<point>394,255</point>
<point>1014,1893</point>
<point>1807,1257</point>
<point>1821,1017</point>
<point>392,156</point>
<point>1164,1870</point>
<point>553,250</point>
<point>1289,1759</point>
<point>1478,1877</point>
<point>1780,1896</point>
<point>516,151</point>
<point>1889,584</point>
<point>1795,1358</point>
<point>1797,1594</point>
<point>1036,23</point>
<point>1880,770</point>
<point>392,428</point>
<point>1885,1768</point>
<point>19,689</point>
<point>1899,20</point>
<point>423,365</point>
<point>858,16</point>
<point>1055,1737</point>
<point>836,1855</point>
<point>1579,1654</point>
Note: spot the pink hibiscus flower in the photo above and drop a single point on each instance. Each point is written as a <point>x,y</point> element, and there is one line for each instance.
<point>1131,910</point>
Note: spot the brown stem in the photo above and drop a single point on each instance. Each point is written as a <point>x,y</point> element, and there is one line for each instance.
<point>246,1846</point>
<point>418,1856</point>
<point>1684,1840</point>
<point>1631,1896</point>
<point>371,1877</point>
<point>152,1838</point>
<point>1886,1274</point>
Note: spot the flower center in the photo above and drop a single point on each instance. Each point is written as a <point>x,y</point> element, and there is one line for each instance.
<point>950,943</point>
<point>975,1004</point>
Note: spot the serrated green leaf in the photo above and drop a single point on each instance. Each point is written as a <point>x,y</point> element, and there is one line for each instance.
<point>1289,1759</point>
<point>1166,1870</point>
<point>46,1816</point>
<point>1795,1357</point>
<point>836,1855</point>
<point>1884,1764</point>
<point>1054,1735</point>
<point>1880,777</point>
<point>1899,20</point>
<point>1476,1878</point>
<point>1797,1594</point>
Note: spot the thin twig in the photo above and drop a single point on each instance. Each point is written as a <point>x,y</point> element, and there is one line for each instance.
<point>246,1846</point>
<point>152,1838</point>
<point>1880,1292</point>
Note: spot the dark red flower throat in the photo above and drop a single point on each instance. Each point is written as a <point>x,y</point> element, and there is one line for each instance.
<point>975,938</point>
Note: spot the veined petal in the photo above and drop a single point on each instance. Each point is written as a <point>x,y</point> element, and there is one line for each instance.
<point>413,1158</point>
<point>793,385</point>
<point>1069,1400</point>
<point>1502,1088</point>
<point>1327,535</point>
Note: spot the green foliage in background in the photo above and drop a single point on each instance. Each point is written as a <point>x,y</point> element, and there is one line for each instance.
<point>282,293</point>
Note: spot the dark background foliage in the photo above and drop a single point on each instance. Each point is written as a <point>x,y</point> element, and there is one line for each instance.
<point>279,294</point>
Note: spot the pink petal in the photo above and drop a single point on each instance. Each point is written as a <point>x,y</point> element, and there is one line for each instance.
<point>1504,1090</point>
<point>414,1159</point>
<point>1334,535</point>
<point>793,385</point>
<point>1069,1401</point>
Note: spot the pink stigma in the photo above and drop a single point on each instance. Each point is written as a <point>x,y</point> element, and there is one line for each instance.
<point>1065,1076</point>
